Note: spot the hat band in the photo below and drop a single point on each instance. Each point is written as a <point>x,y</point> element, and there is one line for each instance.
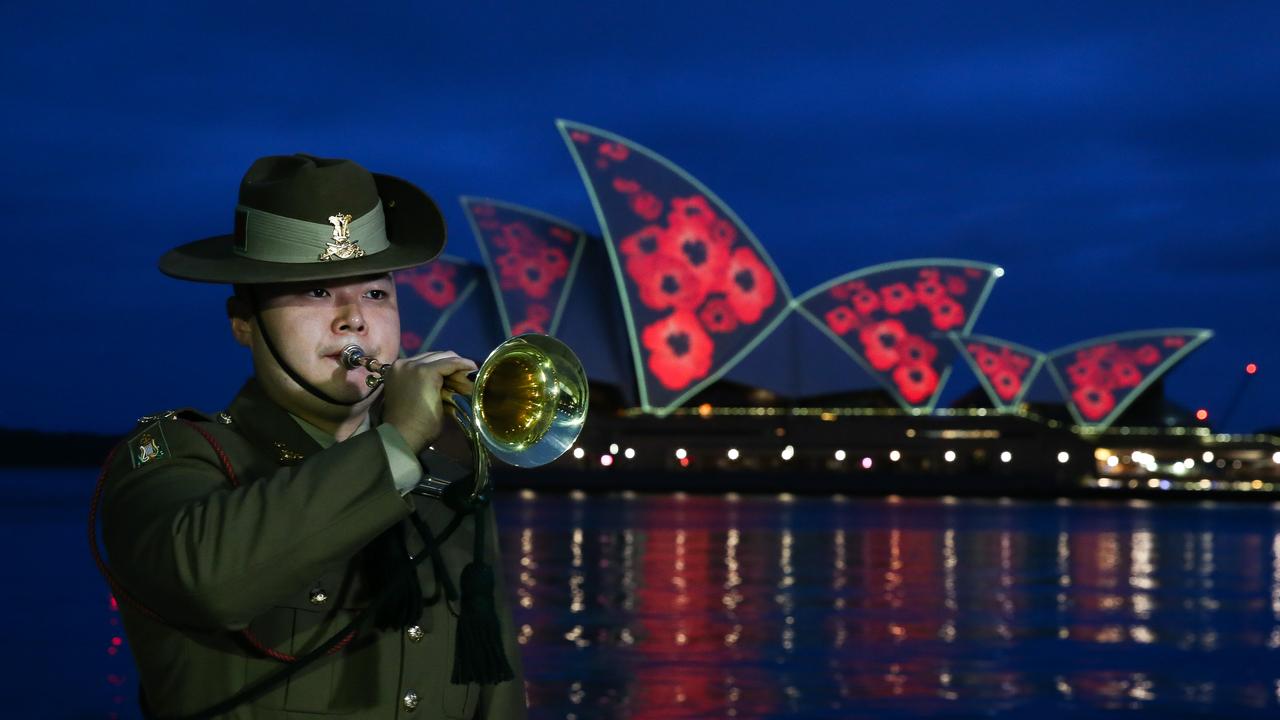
<point>261,235</point>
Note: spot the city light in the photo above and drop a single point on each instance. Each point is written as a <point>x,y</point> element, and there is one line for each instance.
<point>681,454</point>
<point>866,463</point>
<point>732,454</point>
<point>840,456</point>
<point>629,453</point>
<point>1251,368</point>
<point>895,456</point>
<point>1275,458</point>
<point>788,452</point>
<point>1064,456</point>
<point>606,460</point>
<point>613,449</point>
<point>579,453</point>
<point>1202,414</point>
<point>949,456</point>
<point>1006,456</point>
<point>1113,461</point>
<point>1207,456</point>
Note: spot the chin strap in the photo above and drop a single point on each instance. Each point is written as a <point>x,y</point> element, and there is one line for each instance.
<point>293,375</point>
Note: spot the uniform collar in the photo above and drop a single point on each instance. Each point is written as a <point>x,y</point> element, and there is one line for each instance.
<point>272,428</point>
<point>322,438</point>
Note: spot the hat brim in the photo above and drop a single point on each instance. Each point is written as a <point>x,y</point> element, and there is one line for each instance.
<point>415,235</point>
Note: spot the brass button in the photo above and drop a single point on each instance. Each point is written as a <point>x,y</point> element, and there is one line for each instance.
<point>416,633</point>
<point>318,597</point>
<point>410,701</point>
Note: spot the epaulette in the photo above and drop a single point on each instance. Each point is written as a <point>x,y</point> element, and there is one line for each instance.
<point>179,414</point>
<point>148,443</point>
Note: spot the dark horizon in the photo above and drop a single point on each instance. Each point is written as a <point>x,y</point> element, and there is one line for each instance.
<point>1120,163</point>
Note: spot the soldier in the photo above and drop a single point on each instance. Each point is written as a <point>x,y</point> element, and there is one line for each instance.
<point>271,561</point>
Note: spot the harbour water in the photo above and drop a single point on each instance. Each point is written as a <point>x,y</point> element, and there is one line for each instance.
<point>716,606</point>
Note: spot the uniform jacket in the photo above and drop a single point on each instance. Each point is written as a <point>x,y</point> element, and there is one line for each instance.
<point>279,555</point>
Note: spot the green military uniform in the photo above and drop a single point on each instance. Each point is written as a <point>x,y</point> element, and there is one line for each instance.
<point>275,555</point>
<point>283,552</point>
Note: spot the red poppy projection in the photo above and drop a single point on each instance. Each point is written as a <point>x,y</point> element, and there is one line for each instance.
<point>532,259</point>
<point>1004,369</point>
<point>1099,378</point>
<point>894,320</point>
<point>428,296</point>
<point>698,290</point>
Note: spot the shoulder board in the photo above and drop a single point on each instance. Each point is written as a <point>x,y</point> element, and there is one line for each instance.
<point>180,414</point>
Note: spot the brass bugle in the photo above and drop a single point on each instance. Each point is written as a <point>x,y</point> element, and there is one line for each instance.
<point>527,407</point>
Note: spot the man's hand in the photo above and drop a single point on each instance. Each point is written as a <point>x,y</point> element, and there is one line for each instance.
<point>414,392</point>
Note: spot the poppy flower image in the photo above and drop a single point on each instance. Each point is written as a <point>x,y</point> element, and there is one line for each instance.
<point>432,282</point>
<point>483,210</point>
<point>750,286</point>
<point>988,362</point>
<point>866,301</point>
<point>579,137</point>
<point>1174,341</point>
<point>625,186</point>
<point>665,282</point>
<point>646,205</point>
<point>692,242</point>
<point>1006,383</point>
<point>679,350</point>
<point>1147,355</point>
<point>897,298</point>
<point>880,343</point>
<point>841,319</point>
<point>694,207</point>
<point>930,292</point>
<point>1126,374</point>
<point>534,278</point>
<point>555,262</point>
<point>915,349</point>
<point>718,316</point>
<point>929,273</point>
<point>947,314</point>
<point>916,382</point>
<point>518,237</point>
<point>1017,362</point>
<point>956,285</point>
<point>614,151</point>
<point>1093,402</point>
<point>641,244</point>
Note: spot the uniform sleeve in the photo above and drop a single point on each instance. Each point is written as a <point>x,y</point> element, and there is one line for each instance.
<point>202,553</point>
<point>405,468</point>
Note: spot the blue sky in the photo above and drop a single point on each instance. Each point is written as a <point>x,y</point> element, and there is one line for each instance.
<point>1119,160</point>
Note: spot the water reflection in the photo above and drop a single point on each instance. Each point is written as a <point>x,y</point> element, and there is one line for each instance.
<point>690,606</point>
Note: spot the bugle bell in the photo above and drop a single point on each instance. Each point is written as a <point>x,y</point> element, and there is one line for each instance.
<point>527,406</point>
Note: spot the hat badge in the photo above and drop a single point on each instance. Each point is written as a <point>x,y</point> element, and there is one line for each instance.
<point>341,246</point>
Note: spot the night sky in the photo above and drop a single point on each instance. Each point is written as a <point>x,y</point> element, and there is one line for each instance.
<point>1121,161</point>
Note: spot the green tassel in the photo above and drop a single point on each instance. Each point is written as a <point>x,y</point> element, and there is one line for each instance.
<point>478,656</point>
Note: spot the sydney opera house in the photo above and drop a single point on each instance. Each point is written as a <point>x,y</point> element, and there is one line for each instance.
<point>708,372</point>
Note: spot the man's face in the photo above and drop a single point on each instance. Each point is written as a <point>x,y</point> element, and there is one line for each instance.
<point>310,323</point>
